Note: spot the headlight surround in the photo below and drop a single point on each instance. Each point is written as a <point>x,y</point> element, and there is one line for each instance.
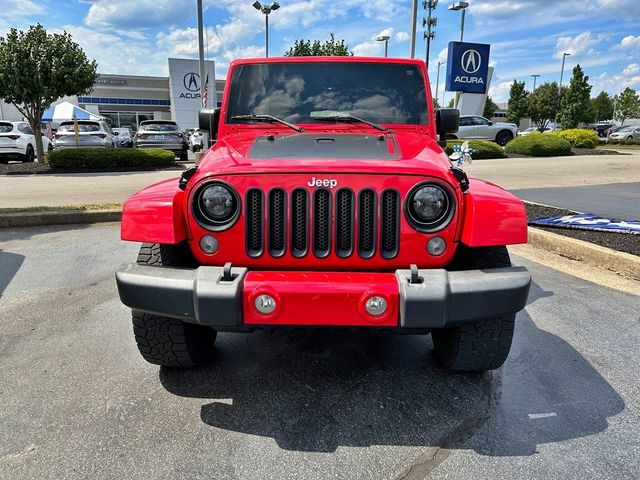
<point>429,207</point>
<point>216,205</point>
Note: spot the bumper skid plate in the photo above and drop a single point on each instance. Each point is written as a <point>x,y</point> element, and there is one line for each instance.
<point>438,298</point>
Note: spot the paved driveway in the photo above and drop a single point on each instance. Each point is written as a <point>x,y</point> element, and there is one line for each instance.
<point>615,200</point>
<point>77,401</point>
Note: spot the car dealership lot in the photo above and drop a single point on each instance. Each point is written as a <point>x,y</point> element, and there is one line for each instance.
<point>77,401</point>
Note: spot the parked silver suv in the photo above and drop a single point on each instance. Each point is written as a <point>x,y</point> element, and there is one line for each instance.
<point>479,128</point>
<point>91,133</point>
<point>163,134</point>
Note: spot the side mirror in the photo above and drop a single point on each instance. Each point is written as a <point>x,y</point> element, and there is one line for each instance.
<point>447,121</point>
<point>489,123</point>
<point>209,120</point>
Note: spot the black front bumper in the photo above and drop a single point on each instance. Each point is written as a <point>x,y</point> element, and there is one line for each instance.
<point>434,299</point>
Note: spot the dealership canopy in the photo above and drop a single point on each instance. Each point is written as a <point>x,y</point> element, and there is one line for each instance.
<point>66,111</point>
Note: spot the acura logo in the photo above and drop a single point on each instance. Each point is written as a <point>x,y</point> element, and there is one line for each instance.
<point>191,82</point>
<point>471,61</point>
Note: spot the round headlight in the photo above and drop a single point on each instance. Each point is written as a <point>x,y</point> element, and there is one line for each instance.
<point>217,203</point>
<point>216,206</point>
<point>429,207</point>
<point>428,203</point>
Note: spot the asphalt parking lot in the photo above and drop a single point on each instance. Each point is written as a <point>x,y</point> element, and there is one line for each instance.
<point>77,401</point>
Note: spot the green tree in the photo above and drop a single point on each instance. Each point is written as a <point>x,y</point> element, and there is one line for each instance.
<point>451,103</point>
<point>489,108</point>
<point>330,48</point>
<point>518,103</point>
<point>603,106</point>
<point>542,104</point>
<point>627,105</point>
<point>37,68</point>
<point>574,106</point>
<point>436,103</point>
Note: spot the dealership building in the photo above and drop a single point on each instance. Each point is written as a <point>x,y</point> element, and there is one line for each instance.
<point>126,100</point>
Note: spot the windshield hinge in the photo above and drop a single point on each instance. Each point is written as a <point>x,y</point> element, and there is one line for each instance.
<point>186,176</point>
<point>462,178</point>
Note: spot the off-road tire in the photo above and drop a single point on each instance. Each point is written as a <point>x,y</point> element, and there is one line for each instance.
<point>503,137</point>
<point>165,341</point>
<point>483,344</point>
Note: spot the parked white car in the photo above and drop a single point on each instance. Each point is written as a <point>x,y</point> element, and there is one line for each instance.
<point>91,133</point>
<point>17,142</point>
<point>530,130</point>
<point>479,128</point>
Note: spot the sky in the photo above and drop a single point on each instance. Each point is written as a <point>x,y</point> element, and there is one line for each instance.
<point>526,36</point>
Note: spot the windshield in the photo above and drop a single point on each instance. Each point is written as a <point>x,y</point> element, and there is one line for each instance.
<point>302,92</point>
<point>123,132</point>
<point>158,127</point>
<point>82,127</point>
<point>625,129</point>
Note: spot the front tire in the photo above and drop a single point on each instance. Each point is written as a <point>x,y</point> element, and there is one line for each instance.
<point>164,341</point>
<point>482,344</point>
<point>504,137</point>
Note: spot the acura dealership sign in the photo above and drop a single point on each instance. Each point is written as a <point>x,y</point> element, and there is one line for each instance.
<point>467,67</point>
<point>185,90</point>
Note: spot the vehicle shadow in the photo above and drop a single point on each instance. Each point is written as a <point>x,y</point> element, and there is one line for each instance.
<point>10,263</point>
<point>319,391</point>
<point>23,233</point>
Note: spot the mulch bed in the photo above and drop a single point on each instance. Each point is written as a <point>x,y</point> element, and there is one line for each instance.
<point>622,242</point>
<point>33,168</point>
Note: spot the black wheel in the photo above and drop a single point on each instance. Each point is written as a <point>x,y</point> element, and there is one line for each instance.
<point>184,156</point>
<point>504,137</point>
<point>167,341</point>
<point>194,149</point>
<point>49,148</point>
<point>29,155</point>
<point>483,344</point>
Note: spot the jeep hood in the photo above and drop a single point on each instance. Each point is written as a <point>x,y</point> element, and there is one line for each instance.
<point>346,152</point>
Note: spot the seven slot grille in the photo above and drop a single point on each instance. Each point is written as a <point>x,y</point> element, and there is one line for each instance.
<point>321,222</point>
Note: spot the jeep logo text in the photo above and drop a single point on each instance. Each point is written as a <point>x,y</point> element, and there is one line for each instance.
<point>327,182</point>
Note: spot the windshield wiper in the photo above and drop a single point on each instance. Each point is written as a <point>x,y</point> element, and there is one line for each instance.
<point>268,119</point>
<point>348,118</point>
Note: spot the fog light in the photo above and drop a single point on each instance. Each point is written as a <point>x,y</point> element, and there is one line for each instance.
<point>265,304</point>
<point>436,246</point>
<point>376,306</point>
<point>209,244</point>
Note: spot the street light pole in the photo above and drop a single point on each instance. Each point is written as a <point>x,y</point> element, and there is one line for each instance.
<point>414,18</point>
<point>438,81</point>
<point>201,49</point>
<point>535,77</point>
<point>385,39</point>
<point>460,6</point>
<point>555,120</point>
<point>266,10</point>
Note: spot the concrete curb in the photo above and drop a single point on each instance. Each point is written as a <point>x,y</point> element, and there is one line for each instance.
<point>601,257</point>
<point>62,217</point>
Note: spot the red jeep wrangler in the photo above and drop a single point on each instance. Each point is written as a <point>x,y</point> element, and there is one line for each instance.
<point>327,201</point>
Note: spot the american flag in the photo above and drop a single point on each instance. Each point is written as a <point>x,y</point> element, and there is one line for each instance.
<point>205,93</point>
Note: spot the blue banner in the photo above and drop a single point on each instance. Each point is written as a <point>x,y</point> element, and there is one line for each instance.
<point>467,67</point>
<point>589,221</point>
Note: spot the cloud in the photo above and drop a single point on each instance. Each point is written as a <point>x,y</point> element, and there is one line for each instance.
<point>629,77</point>
<point>373,47</point>
<point>630,44</point>
<point>122,56</point>
<point>499,92</point>
<point>138,13</point>
<point>402,37</point>
<point>579,45</point>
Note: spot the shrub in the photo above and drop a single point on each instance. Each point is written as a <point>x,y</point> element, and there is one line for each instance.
<point>620,141</point>
<point>579,137</point>
<point>94,158</point>
<point>539,145</point>
<point>484,149</point>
